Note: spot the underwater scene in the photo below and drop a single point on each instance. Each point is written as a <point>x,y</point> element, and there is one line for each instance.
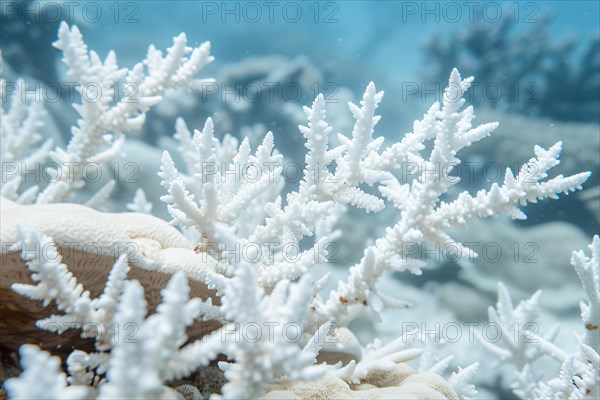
<point>300,199</point>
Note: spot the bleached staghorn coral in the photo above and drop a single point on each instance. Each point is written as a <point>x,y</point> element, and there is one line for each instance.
<point>137,354</point>
<point>41,378</point>
<point>228,202</point>
<point>423,218</point>
<point>57,284</point>
<point>359,161</point>
<point>265,289</point>
<point>139,203</point>
<point>19,133</point>
<point>130,347</point>
<point>260,358</point>
<point>150,351</point>
<point>113,101</point>
<point>233,205</point>
<point>90,242</point>
<point>580,371</point>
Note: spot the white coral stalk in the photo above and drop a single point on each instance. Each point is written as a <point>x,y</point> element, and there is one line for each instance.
<point>259,337</point>
<point>321,190</point>
<point>588,269</point>
<point>144,352</point>
<point>357,161</point>
<point>42,378</point>
<point>139,203</point>
<point>98,135</point>
<point>22,120</point>
<point>222,200</point>
<point>423,217</point>
<point>232,211</point>
<point>461,382</point>
<point>150,344</point>
<point>518,347</point>
<point>579,372</point>
<point>56,283</point>
<point>128,353</point>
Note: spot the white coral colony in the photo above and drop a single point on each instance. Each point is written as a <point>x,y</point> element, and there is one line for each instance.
<point>158,293</point>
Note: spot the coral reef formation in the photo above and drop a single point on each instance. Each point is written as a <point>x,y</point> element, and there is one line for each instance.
<point>246,284</point>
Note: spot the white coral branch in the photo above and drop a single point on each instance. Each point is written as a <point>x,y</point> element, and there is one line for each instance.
<point>22,120</point>
<point>579,372</point>
<point>588,270</point>
<point>56,283</point>
<point>423,217</point>
<point>266,357</point>
<point>42,378</point>
<point>461,380</point>
<point>144,352</point>
<point>104,119</point>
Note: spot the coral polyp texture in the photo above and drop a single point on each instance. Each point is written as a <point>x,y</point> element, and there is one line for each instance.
<point>153,303</point>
